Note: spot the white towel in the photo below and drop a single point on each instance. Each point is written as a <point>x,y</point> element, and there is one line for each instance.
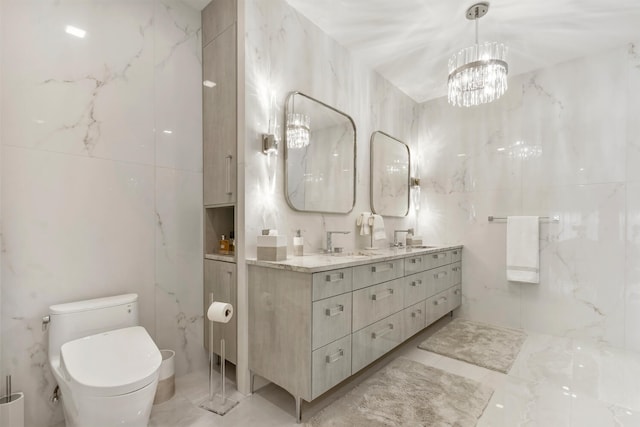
<point>523,255</point>
<point>363,223</point>
<point>378,228</point>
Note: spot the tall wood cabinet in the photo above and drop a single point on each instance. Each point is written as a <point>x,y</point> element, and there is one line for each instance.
<point>220,153</point>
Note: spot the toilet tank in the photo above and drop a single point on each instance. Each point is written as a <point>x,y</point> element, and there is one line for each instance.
<point>79,319</point>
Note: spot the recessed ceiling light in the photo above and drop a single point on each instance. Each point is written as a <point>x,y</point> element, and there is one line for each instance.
<point>501,149</point>
<point>167,131</point>
<point>208,83</point>
<point>75,31</point>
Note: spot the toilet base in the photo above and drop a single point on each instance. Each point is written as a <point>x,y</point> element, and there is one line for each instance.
<point>127,410</point>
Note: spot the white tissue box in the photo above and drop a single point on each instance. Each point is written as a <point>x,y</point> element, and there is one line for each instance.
<point>272,248</point>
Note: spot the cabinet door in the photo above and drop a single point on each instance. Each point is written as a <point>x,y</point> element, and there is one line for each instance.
<point>220,278</point>
<point>219,119</point>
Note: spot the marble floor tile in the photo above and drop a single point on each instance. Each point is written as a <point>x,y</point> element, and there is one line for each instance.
<point>555,382</point>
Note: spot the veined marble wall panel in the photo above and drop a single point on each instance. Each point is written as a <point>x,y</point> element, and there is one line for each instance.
<point>576,113</point>
<point>178,87</point>
<point>582,279</point>
<point>556,144</point>
<point>632,295</point>
<point>74,228</point>
<point>74,95</point>
<point>179,267</point>
<point>285,52</point>
<point>97,198</point>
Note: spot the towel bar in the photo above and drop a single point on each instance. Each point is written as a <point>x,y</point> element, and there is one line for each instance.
<point>555,218</point>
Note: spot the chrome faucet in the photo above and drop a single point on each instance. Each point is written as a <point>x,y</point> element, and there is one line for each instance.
<point>329,242</point>
<point>397,244</point>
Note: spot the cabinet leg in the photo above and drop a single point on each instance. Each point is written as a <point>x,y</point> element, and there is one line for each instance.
<point>451,314</point>
<point>298,410</point>
<point>252,378</point>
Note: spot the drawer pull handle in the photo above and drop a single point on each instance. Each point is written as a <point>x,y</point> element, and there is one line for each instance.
<point>416,260</point>
<point>455,252</point>
<point>438,256</point>
<point>378,297</point>
<point>440,275</point>
<point>332,358</point>
<point>335,310</point>
<point>334,277</point>
<point>415,313</point>
<point>415,283</point>
<point>227,186</point>
<point>382,269</point>
<point>437,302</point>
<point>456,268</point>
<point>382,332</point>
<point>457,292</point>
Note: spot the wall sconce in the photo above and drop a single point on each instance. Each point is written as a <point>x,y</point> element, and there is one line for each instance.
<point>269,144</point>
<point>415,190</point>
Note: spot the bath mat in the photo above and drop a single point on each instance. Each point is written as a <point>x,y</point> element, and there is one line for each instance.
<point>407,393</point>
<point>484,345</point>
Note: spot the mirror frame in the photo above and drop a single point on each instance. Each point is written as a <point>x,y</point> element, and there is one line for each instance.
<point>286,153</point>
<point>371,172</point>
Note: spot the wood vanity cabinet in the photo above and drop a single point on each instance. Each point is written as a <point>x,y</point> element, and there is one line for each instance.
<point>220,279</point>
<point>308,331</point>
<point>219,103</point>
<point>220,147</point>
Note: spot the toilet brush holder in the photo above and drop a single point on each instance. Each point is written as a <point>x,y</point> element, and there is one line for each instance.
<point>12,410</point>
<point>218,403</point>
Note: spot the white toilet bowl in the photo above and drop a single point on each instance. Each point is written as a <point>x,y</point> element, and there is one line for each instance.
<point>108,378</point>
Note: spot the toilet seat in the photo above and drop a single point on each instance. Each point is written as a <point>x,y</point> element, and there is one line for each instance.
<point>111,363</point>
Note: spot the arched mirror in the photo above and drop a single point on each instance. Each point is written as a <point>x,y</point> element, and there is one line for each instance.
<point>320,156</point>
<point>390,175</point>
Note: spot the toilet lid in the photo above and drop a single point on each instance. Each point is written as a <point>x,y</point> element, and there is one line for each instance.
<point>111,363</point>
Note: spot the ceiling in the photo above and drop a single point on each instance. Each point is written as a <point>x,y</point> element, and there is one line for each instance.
<point>409,42</point>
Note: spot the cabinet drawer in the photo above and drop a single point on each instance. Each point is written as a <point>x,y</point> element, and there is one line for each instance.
<point>437,306</point>
<point>375,340</point>
<point>414,319</point>
<point>330,283</point>
<point>456,255</point>
<point>456,273</point>
<point>437,259</point>
<point>371,274</point>
<point>439,279</point>
<point>331,319</point>
<point>415,264</point>
<point>455,297</point>
<point>415,288</point>
<point>330,365</point>
<point>376,302</point>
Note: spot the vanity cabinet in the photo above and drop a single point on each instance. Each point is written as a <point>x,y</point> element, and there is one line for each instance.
<point>311,328</point>
<point>220,279</point>
<point>219,118</point>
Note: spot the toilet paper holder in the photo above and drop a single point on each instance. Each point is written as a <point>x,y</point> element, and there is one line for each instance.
<point>218,403</point>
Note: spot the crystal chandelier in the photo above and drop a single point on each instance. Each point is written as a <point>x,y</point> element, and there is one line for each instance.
<point>478,74</point>
<point>298,130</point>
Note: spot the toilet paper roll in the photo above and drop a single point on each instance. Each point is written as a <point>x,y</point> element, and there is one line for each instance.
<point>220,312</point>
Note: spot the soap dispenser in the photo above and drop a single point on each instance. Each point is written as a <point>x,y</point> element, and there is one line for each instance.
<point>298,244</point>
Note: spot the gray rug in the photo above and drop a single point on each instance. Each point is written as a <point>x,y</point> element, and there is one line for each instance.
<point>408,394</point>
<point>484,345</point>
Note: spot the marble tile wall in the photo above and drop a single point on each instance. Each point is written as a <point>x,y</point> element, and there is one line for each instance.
<point>102,175</point>
<point>286,52</point>
<point>579,119</point>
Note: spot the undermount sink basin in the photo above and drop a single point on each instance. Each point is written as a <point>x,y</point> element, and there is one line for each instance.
<point>421,247</point>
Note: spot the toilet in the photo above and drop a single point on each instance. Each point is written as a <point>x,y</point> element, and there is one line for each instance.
<point>106,365</point>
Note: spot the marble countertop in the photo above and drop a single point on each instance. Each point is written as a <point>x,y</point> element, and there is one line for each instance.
<point>316,262</point>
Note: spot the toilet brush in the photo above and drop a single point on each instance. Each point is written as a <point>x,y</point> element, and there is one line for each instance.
<point>218,403</point>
